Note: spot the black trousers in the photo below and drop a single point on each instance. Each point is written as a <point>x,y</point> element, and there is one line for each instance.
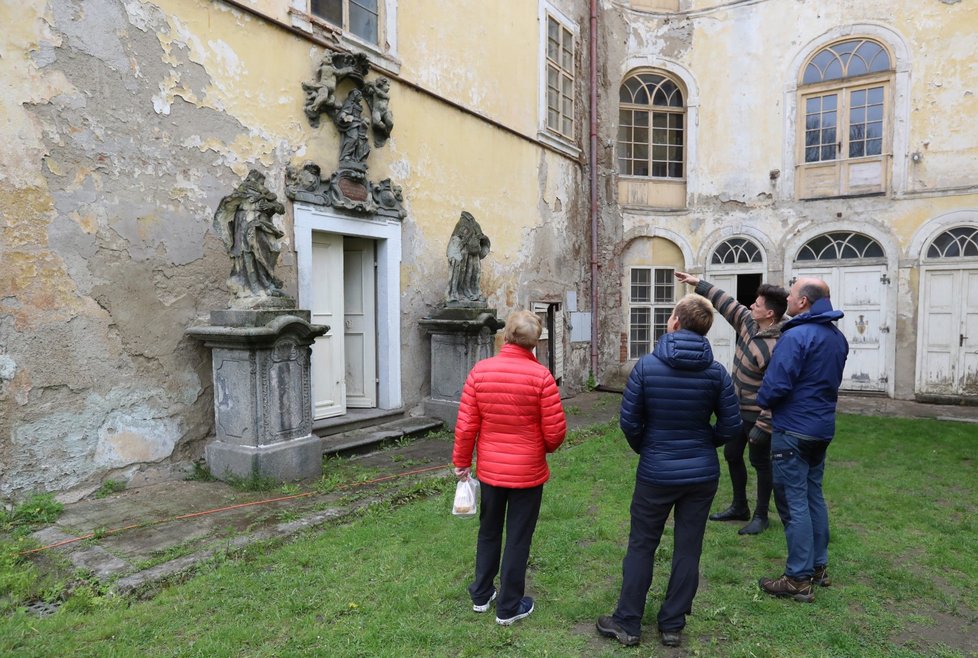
<point>519,510</point>
<point>650,509</point>
<point>760,459</point>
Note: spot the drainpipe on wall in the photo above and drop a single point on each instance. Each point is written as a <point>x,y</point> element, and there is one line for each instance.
<point>593,174</point>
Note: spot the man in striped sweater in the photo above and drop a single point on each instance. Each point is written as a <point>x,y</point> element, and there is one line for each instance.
<point>757,329</point>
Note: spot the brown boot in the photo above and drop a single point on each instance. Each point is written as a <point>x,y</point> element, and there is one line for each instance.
<point>821,576</point>
<point>799,590</point>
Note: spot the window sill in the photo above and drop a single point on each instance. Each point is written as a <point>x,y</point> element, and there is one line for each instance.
<point>559,143</point>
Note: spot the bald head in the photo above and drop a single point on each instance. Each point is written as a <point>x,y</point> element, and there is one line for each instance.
<point>804,293</point>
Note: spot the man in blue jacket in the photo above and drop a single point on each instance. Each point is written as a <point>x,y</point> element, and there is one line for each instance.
<point>665,415</point>
<point>801,388</point>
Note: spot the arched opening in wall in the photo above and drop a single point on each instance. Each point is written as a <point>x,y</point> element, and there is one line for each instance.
<point>856,268</point>
<point>737,267</point>
<point>649,291</point>
<point>845,110</point>
<point>651,147</point>
<point>947,334</point>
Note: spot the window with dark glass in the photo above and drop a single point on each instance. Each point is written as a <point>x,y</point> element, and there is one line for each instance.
<point>958,242</point>
<point>651,300</point>
<point>358,17</point>
<point>651,127</point>
<point>840,246</point>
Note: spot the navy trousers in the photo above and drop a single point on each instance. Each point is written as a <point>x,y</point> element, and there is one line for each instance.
<point>650,509</point>
<point>518,510</point>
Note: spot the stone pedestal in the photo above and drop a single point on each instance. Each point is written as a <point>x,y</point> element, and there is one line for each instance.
<point>459,338</point>
<point>262,393</point>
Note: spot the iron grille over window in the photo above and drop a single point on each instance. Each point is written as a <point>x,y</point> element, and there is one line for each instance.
<point>959,242</point>
<point>736,250</point>
<point>840,246</point>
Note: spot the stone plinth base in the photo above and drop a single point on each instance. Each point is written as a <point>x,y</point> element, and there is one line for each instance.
<point>444,410</point>
<point>262,394</point>
<point>296,459</point>
<point>460,337</point>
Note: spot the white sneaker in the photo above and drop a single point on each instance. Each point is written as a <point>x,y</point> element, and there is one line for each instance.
<point>485,607</point>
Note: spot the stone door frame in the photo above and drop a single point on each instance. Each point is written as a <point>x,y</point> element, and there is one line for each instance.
<point>387,236</point>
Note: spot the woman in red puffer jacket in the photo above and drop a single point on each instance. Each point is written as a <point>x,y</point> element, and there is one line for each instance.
<point>510,413</point>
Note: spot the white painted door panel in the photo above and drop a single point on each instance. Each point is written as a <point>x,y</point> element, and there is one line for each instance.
<point>723,338</point>
<point>359,321</point>
<point>327,303</point>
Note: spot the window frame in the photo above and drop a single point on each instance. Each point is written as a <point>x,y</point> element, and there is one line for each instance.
<point>555,138</point>
<point>652,110</point>
<point>383,53</point>
<point>654,306</point>
<point>840,169</point>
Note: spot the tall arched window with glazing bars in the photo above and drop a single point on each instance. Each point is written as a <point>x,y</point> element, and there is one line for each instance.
<point>845,103</point>
<point>651,127</point>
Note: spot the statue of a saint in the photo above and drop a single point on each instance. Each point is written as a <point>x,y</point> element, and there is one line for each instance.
<point>244,221</point>
<point>466,249</point>
<point>354,147</point>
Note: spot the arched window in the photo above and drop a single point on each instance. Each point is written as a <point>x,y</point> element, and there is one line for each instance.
<point>840,246</point>
<point>845,97</point>
<point>651,127</point>
<point>736,251</point>
<point>958,242</point>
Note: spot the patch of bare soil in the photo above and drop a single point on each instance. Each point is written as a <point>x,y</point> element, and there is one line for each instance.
<point>945,630</point>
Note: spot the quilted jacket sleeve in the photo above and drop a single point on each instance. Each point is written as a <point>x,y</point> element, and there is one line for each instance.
<point>727,411</point>
<point>632,415</point>
<point>552,419</point>
<point>782,371</point>
<point>467,425</point>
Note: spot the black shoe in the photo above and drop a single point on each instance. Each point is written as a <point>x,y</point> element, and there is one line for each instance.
<point>732,513</point>
<point>522,612</point>
<point>671,638</point>
<point>608,627</point>
<point>756,526</point>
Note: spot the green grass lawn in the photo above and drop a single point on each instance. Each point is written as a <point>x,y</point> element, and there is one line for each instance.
<point>903,496</point>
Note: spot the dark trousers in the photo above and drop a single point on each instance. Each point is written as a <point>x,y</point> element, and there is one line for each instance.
<point>650,509</point>
<point>760,459</point>
<point>519,508</point>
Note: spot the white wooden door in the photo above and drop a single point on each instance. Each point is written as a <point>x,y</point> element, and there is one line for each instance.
<point>948,353</point>
<point>328,395</point>
<point>859,292</point>
<point>359,322</point>
<point>722,336</point>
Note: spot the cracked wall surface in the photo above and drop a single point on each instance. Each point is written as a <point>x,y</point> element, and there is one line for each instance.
<point>122,126</point>
<point>736,62</point>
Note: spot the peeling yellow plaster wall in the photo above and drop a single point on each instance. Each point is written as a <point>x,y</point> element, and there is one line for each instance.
<point>485,59</point>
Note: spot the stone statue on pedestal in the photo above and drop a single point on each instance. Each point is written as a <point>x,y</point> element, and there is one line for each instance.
<point>466,249</point>
<point>244,222</point>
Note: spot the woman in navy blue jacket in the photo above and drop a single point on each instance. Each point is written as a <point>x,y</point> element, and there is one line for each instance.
<point>665,415</point>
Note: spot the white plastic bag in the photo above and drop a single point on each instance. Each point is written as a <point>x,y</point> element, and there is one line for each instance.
<point>466,498</point>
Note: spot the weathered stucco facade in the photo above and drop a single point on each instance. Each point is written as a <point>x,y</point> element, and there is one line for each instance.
<point>124,123</point>
<point>751,106</point>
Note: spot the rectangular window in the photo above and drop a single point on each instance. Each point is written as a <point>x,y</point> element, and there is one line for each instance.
<point>358,17</point>
<point>560,78</point>
<point>652,296</point>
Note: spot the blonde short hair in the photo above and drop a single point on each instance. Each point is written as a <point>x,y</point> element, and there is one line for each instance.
<point>694,313</point>
<point>523,328</point>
